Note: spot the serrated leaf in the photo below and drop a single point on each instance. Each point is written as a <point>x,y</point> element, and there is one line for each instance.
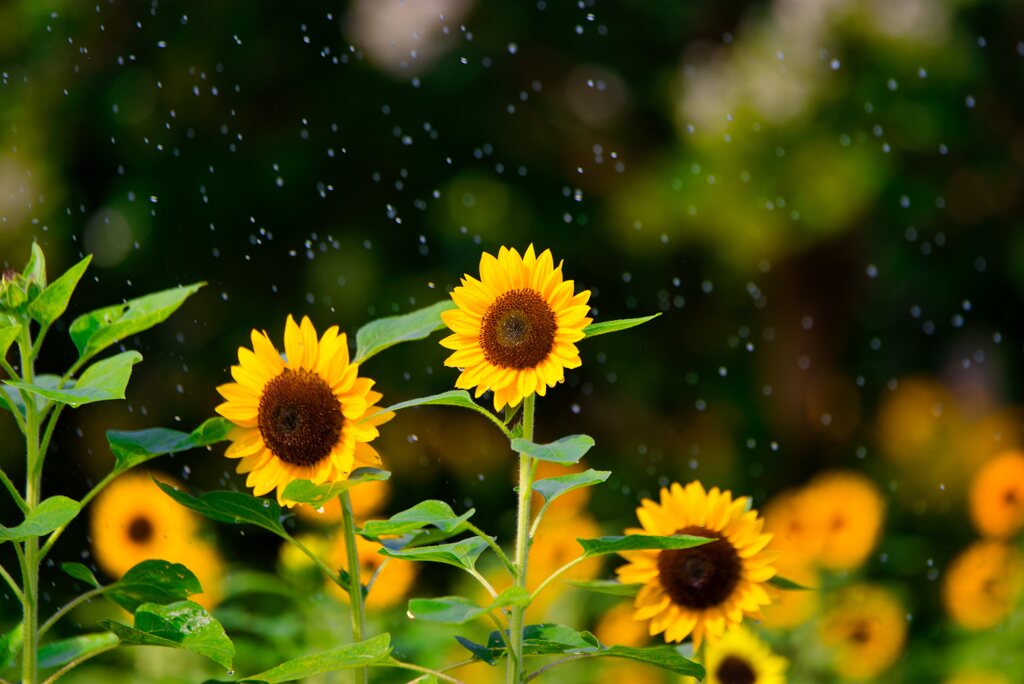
<point>375,651</point>
<point>53,301</point>
<point>553,487</point>
<point>231,507</point>
<point>132,448</point>
<point>565,451</point>
<point>437,514</point>
<point>102,381</point>
<point>610,587</point>
<point>304,491</point>
<point>63,651</point>
<point>184,624</point>
<point>95,331</point>
<point>52,513</point>
<point>461,554</point>
<point>378,335</point>
<point>458,610</point>
<point>80,573</point>
<point>787,584</point>
<point>639,542</point>
<point>605,327</point>
<point>153,581</point>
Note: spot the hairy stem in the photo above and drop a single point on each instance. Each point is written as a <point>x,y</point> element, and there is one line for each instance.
<point>355,586</point>
<point>516,671</point>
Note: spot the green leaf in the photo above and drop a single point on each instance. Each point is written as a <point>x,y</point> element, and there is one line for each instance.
<point>566,451</point>
<point>81,573</point>
<point>435,513</point>
<point>665,657</point>
<point>35,269</point>
<point>184,625</point>
<point>134,448</point>
<point>10,645</point>
<point>63,651</point>
<point>479,651</point>
<point>610,587</point>
<point>153,581</point>
<point>547,639</point>
<point>639,542</point>
<point>14,399</point>
<point>378,335</point>
<point>375,651</point>
<point>252,583</point>
<point>459,398</point>
<point>304,491</point>
<point>52,513</point>
<point>553,487</point>
<point>787,584</point>
<point>95,331</point>
<point>102,381</point>
<point>231,507</point>
<point>457,610</point>
<point>461,554</point>
<point>595,329</point>
<point>53,301</point>
<point>9,331</point>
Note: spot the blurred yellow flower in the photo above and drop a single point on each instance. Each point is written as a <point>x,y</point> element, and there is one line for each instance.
<point>798,534</point>
<point>791,608</point>
<point>615,671</point>
<point>206,564</point>
<point>865,629</point>
<point>392,584</point>
<point>293,560</point>
<point>133,521</point>
<point>700,591</point>
<point>741,658</point>
<point>304,418</point>
<point>850,509</point>
<point>515,329</point>
<point>977,677</point>
<point>997,496</point>
<point>914,417</point>
<point>367,500</point>
<point>982,584</point>
<point>619,627</point>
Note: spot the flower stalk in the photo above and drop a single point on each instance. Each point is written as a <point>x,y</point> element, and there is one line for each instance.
<point>355,586</point>
<point>516,671</point>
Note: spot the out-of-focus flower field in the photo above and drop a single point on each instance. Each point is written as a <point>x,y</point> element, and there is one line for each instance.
<point>824,200</point>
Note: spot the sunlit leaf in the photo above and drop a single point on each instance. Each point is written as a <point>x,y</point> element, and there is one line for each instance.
<point>375,651</point>
<point>665,657</point>
<point>13,397</point>
<point>304,491</point>
<point>136,447</point>
<point>95,331</point>
<point>604,327</point>
<point>638,542</point>
<point>378,335</point>
<point>457,610</point>
<point>459,398</point>
<point>231,507</point>
<point>184,624</point>
<point>9,331</point>
<point>153,581</point>
<point>610,587</point>
<point>434,513</point>
<point>80,573</point>
<point>63,651</point>
<point>35,268</point>
<point>787,584</point>
<point>102,381</point>
<point>53,301</point>
<point>553,487</point>
<point>565,451</point>
<point>461,554</point>
<point>52,513</point>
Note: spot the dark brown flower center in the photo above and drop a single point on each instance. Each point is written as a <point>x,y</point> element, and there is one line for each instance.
<point>734,670</point>
<point>518,330</point>
<point>861,633</point>
<point>140,530</point>
<point>299,417</point>
<point>702,576</point>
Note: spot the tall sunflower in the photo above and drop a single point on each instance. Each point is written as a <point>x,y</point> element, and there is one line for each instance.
<point>741,658</point>
<point>131,522</point>
<point>515,329</point>
<point>700,591</point>
<point>305,417</point>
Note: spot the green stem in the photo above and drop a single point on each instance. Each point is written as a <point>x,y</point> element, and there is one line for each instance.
<point>355,586</point>
<point>515,662</point>
<point>557,663</point>
<point>331,574</point>
<point>557,573</point>
<point>44,446</point>
<point>69,606</point>
<point>15,494</point>
<point>52,539</point>
<point>30,578</point>
<point>494,546</point>
<point>14,585</point>
<point>446,668</point>
<point>425,670</point>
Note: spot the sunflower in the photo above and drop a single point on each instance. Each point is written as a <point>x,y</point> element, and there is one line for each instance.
<point>207,565</point>
<point>702,590</point>
<point>132,521</point>
<point>997,496</point>
<point>515,329</point>
<point>851,511</point>
<point>305,418</point>
<point>617,626</point>
<point>741,658</point>
<point>865,630</point>
<point>796,532</point>
<point>393,582</point>
<point>367,499</point>
<point>983,583</point>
